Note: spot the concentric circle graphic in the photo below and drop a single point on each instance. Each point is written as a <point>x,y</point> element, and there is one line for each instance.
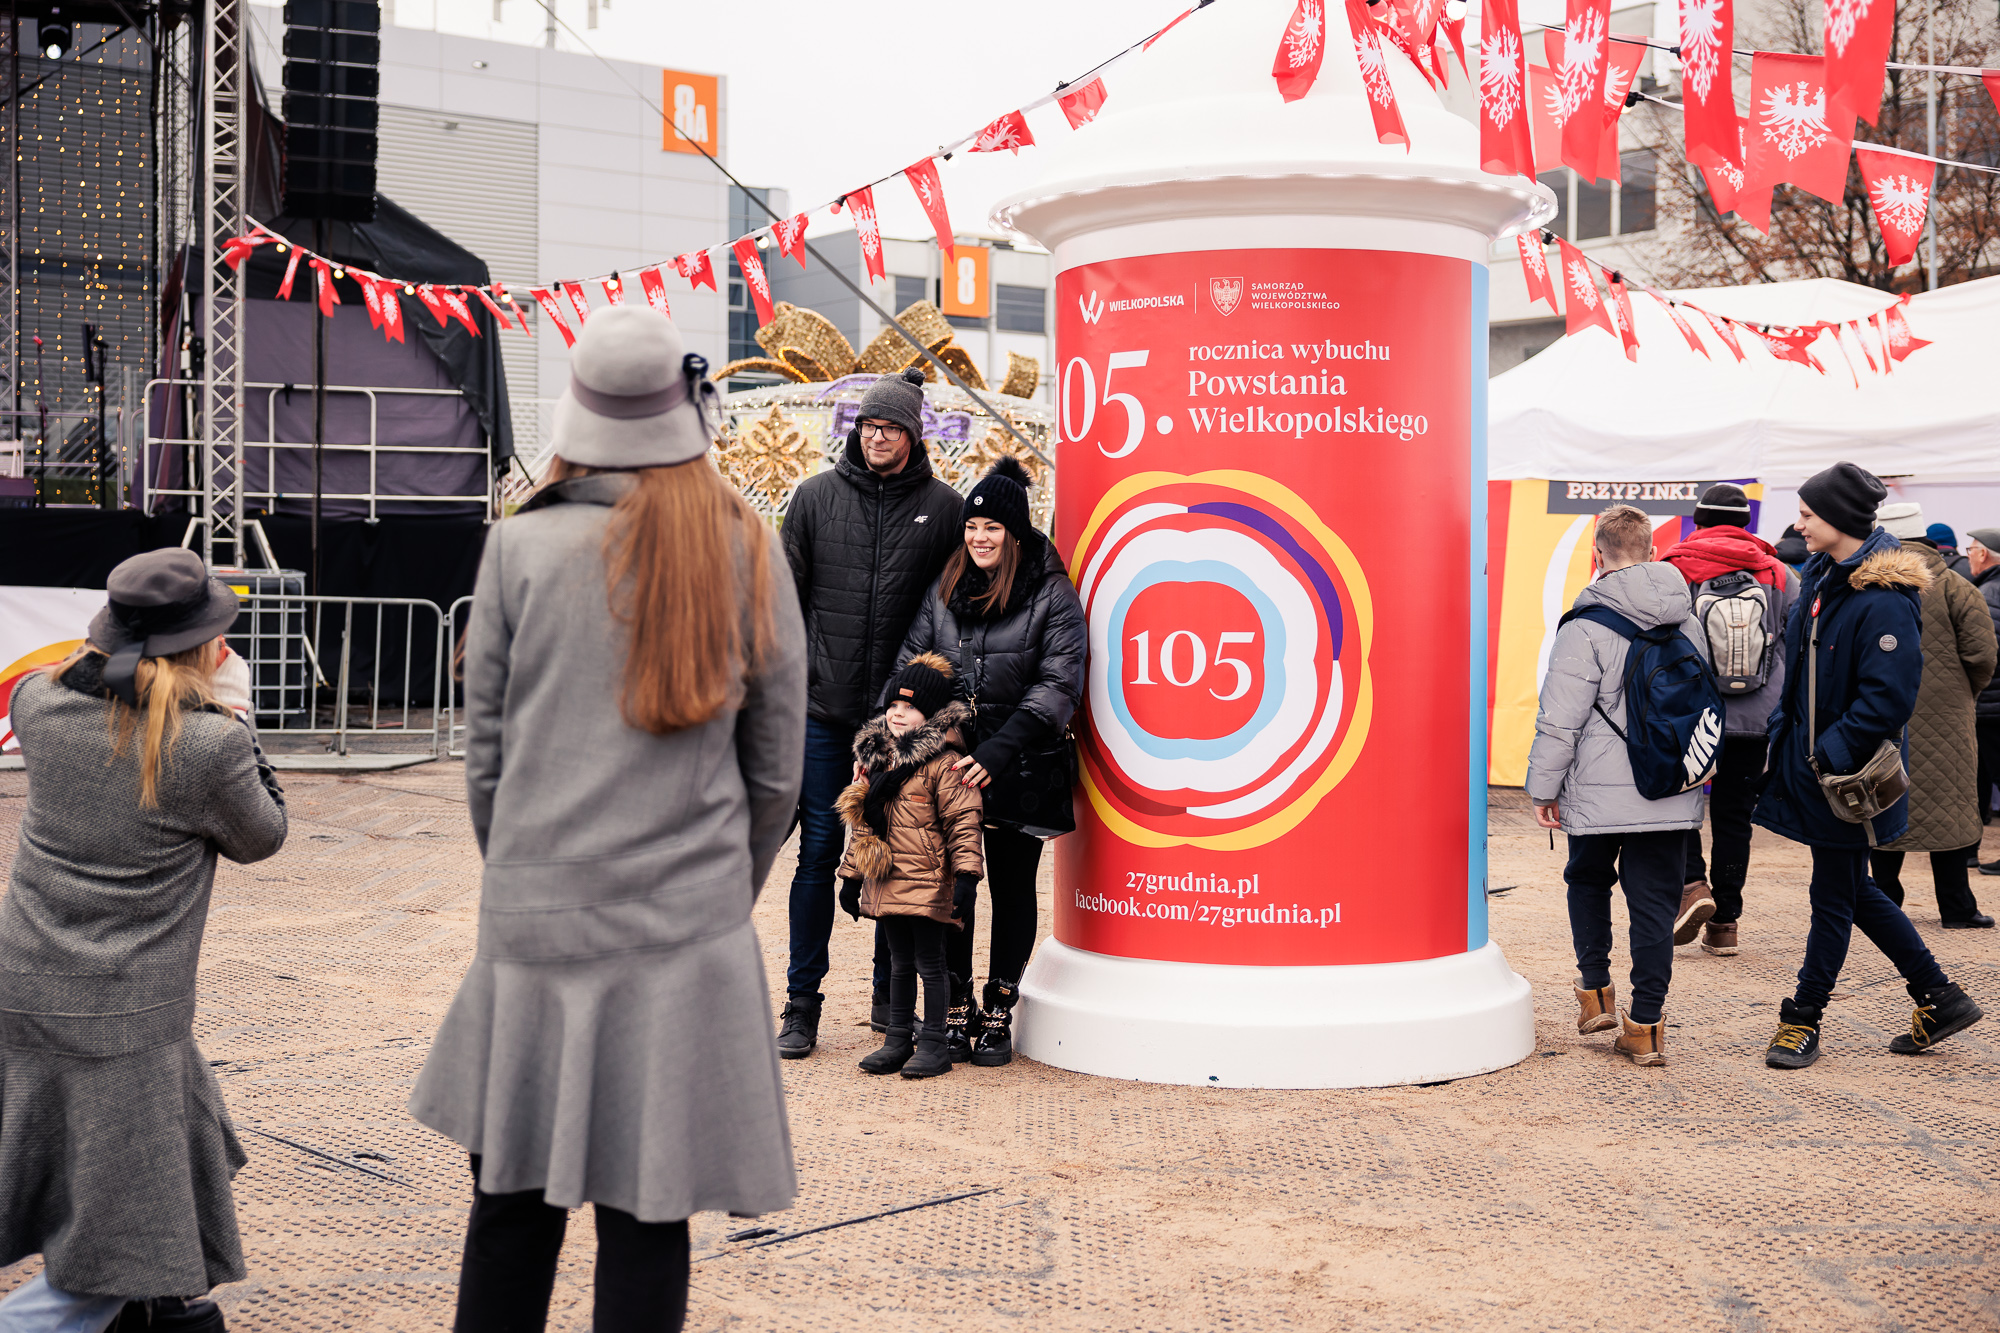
<point>1229,637</point>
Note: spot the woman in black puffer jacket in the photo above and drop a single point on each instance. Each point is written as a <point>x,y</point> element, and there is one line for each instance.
<point>1005,614</point>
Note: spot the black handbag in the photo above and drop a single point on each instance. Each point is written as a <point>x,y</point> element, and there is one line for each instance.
<point>1034,794</point>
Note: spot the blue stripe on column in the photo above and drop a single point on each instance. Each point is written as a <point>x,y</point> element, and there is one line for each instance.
<point>1475,750</point>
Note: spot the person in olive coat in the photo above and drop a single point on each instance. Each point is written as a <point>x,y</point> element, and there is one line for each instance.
<point>865,539</point>
<point>1006,616</point>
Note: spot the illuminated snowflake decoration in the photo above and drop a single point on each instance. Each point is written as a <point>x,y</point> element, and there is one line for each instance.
<point>1500,78</point>
<point>1794,118</point>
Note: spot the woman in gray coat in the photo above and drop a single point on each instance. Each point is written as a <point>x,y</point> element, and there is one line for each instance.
<point>635,688</point>
<point>115,1149</point>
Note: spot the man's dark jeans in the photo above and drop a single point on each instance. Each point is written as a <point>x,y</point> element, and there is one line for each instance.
<point>829,767</point>
<point>1843,898</point>
<point>1648,866</point>
<point>1732,796</point>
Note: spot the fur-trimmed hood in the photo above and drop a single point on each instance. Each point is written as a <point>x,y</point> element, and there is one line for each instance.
<point>1902,567</point>
<point>877,749</point>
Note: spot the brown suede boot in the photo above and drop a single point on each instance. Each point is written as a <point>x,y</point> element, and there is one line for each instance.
<point>1642,1043</point>
<point>1697,906</point>
<point>1719,937</point>
<point>1596,1010</point>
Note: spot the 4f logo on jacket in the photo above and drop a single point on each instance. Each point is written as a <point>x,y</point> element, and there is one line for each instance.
<point>1699,761</point>
<point>1092,308</point>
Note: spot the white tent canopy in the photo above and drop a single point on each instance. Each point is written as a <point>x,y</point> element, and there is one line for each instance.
<point>1581,410</point>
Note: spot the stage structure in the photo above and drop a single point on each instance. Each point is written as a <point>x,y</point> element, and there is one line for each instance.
<point>1270,373</point>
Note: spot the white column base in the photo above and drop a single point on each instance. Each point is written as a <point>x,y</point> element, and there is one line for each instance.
<point>1210,1025</point>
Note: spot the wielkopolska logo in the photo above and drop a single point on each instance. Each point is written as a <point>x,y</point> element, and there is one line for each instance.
<point>1227,293</point>
<point>1228,685</point>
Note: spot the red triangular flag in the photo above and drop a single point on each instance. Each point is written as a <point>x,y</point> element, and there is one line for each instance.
<point>1854,327</point>
<point>392,311</point>
<point>1619,307</point>
<point>1506,147</point>
<point>696,268</point>
<point>1900,189</point>
<point>428,295</point>
<point>1156,36</point>
<point>614,289</point>
<point>370,298</point>
<point>1584,305</point>
<point>1535,266</point>
<point>1373,63</point>
<point>1707,94</point>
<point>752,265</point>
<point>1680,321</point>
<point>923,178</point>
<point>1300,49</point>
<point>1623,55</point>
<point>867,230</point>
<point>291,269</point>
<point>791,237</point>
<point>1581,68</point>
<point>509,303</point>
<point>1991,78</point>
<point>1393,20</point>
<point>1454,31</point>
<point>1858,34</point>
<point>1725,175</point>
<point>1545,117</point>
<point>499,315</point>
<point>578,301</point>
<point>1902,342</point>
<point>454,301</point>
<point>654,283</point>
<point>1080,106</point>
<point>550,307</point>
<point>1796,137</point>
<point>1724,331</point>
<point>1011,130</point>
<point>237,248</point>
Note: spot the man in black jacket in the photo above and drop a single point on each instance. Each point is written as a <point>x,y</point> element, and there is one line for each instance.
<point>866,541</point>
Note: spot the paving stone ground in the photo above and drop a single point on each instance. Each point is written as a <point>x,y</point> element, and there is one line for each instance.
<point>1572,1191</point>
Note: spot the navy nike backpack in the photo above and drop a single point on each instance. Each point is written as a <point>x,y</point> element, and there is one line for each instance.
<point>1673,706</point>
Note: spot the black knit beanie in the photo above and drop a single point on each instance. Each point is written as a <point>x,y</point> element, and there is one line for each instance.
<point>1722,503</point>
<point>1846,496</point>
<point>897,398</point>
<point>924,683</point>
<point>1002,495</point>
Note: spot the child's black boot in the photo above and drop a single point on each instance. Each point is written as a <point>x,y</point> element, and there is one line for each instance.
<point>996,1033</point>
<point>894,1052</point>
<point>932,1055</point>
<point>961,1021</point>
<point>1939,1014</point>
<point>1796,1042</point>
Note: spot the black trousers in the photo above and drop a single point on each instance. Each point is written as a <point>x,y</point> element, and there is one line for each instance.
<point>916,950</point>
<point>1732,796</point>
<point>1648,866</point>
<point>1012,857</point>
<point>1987,730</point>
<point>1845,899</point>
<point>511,1245</point>
<point>1948,876</point>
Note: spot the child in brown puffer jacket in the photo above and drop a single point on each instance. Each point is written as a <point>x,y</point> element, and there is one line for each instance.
<point>914,858</point>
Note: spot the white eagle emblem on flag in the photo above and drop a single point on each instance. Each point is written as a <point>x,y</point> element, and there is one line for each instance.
<point>1794,118</point>
<point>1899,202</point>
<point>1583,52</point>
<point>1500,78</point>
<point>1842,18</point>
<point>1302,39</point>
<point>1580,283</point>
<point>1374,68</point>
<point>1531,255</point>
<point>1701,45</point>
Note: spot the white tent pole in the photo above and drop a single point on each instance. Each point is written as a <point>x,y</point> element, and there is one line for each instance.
<point>1930,124</point>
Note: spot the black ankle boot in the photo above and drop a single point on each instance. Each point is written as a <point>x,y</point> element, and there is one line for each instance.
<point>961,1021</point>
<point>996,1035</point>
<point>798,1027</point>
<point>892,1054</point>
<point>931,1058</point>
<point>1796,1042</point>
<point>1938,1015</point>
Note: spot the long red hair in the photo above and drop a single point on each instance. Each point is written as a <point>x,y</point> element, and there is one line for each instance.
<point>688,574</point>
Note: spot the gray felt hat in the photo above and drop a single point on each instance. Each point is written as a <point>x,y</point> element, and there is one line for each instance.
<point>636,396</point>
<point>157,604</point>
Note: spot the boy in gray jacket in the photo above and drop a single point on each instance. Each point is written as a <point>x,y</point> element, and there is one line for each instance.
<point>1580,779</point>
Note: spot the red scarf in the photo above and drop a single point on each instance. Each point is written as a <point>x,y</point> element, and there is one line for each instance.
<point>1723,548</point>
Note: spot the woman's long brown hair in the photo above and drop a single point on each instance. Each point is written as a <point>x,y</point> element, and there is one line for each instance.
<point>1001,581</point>
<point>684,556</point>
<point>168,689</point>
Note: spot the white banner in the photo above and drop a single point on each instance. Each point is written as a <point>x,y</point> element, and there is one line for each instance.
<point>38,626</point>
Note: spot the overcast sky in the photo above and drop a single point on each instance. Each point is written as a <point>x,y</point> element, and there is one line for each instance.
<point>824,97</point>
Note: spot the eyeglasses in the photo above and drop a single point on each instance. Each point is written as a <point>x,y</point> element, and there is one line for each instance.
<point>893,434</point>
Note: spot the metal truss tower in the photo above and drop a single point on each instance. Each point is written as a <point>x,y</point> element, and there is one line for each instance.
<point>225,74</point>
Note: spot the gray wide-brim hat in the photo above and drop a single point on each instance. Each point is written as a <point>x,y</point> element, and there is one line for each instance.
<point>636,396</point>
<point>156,605</point>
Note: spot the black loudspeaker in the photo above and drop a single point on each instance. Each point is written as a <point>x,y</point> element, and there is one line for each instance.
<point>333,50</point>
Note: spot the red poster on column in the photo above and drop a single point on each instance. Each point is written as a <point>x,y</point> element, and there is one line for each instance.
<point>1267,656</point>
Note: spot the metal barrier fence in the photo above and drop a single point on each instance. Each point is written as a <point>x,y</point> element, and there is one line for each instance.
<point>368,669</point>
<point>455,621</point>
